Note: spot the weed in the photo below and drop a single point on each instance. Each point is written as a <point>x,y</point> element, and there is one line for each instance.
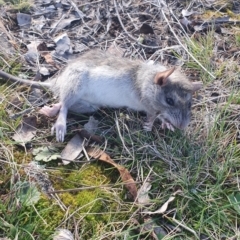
<point>203,49</point>
<point>20,5</point>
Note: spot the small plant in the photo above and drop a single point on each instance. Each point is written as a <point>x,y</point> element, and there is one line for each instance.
<point>237,37</point>
<point>202,50</point>
<point>20,5</point>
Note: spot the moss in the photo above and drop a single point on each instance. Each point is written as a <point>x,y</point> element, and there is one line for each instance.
<point>20,5</point>
<point>237,37</point>
<point>88,175</point>
<point>14,63</point>
<point>22,157</point>
<point>24,222</point>
<point>47,210</point>
<point>94,207</point>
<point>220,70</point>
<point>208,15</point>
<point>233,15</point>
<point>91,175</point>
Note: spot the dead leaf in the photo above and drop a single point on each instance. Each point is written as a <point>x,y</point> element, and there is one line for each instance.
<point>44,71</point>
<point>63,47</point>
<point>124,173</point>
<point>150,226</point>
<point>66,22</point>
<point>37,173</point>
<point>91,138</point>
<point>185,22</point>
<point>43,49</point>
<point>187,13</point>
<point>198,28</point>
<point>165,205</point>
<point>143,197</point>
<point>26,130</point>
<point>146,29</point>
<point>39,23</point>
<point>48,57</point>
<point>72,150</point>
<point>32,54</point>
<point>63,234</point>
<point>24,20</point>
<point>92,125</point>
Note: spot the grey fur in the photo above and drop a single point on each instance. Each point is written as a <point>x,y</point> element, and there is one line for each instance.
<point>98,79</point>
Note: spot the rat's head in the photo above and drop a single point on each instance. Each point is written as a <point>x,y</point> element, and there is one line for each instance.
<point>173,98</point>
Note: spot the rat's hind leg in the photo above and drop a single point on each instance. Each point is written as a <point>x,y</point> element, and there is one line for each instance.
<point>61,124</point>
<point>51,111</point>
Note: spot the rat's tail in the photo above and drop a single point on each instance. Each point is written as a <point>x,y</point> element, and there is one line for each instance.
<point>12,78</point>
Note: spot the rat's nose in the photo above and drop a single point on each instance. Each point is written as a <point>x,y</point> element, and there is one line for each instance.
<point>182,125</point>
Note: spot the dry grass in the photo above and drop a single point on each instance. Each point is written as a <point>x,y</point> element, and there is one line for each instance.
<point>201,164</point>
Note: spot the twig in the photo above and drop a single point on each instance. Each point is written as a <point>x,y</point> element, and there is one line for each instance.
<point>163,49</point>
<point>133,38</point>
<point>80,13</point>
<point>88,3</point>
<point>175,35</point>
<point>121,137</point>
<point>5,61</point>
<point>84,188</point>
<point>184,226</point>
<point>54,28</point>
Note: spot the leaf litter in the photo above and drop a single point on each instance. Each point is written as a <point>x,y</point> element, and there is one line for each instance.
<point>66,31</point>
<point>26,131</point>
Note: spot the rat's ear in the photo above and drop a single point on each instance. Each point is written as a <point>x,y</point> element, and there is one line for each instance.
<point>196,86</point>
<point>161,77</point>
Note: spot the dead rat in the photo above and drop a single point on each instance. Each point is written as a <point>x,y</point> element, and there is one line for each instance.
<point>98,79</point>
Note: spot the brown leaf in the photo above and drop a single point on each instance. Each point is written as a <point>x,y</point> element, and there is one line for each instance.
<point>92,138</point>
<point>43,50</point>
<point>146,29</point>
<point>26,130</point>
<point>42,47</point>
<point>92,125</point>
<point>124,173</point>
<point>72,150</point>
<point>48,57</point>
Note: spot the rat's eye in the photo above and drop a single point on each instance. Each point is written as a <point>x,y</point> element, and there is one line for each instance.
<point>170,101</point>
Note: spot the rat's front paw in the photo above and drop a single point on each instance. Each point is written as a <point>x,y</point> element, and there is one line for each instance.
<point>147,126</point>
<point>167,125</point>
<point>61,130</point>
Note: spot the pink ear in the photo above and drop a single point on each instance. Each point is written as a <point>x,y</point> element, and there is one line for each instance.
<point>161,77</point>
<point>196,86</point>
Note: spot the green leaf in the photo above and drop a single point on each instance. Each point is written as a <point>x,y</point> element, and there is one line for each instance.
<point>27,193</point>
<point>235,201</point>
<point>46,154</point>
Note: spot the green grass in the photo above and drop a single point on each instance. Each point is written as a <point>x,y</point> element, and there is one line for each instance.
<point>202,48</point>
<point>201,164</point>
<point>19,5</point>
